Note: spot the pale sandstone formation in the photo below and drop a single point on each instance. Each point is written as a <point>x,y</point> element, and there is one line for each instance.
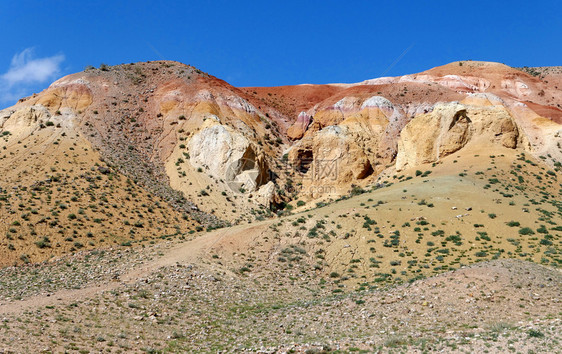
<point>228,155</point>
<point>66,92</point>
<point>23,121</point>
<point>450,127</point>
<point>334,156</point>
<point>358,142</point>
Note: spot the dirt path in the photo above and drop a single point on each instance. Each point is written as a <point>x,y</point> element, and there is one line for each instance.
<point>186,252</point>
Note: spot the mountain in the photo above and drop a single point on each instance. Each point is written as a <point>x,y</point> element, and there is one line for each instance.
<point>123,173</point>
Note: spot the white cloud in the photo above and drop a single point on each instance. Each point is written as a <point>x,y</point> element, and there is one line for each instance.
<point>25,72</point>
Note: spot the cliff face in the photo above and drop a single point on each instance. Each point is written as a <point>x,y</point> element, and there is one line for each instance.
<point>452,126</point>
<point>183,134</point>
<point>420,118</point>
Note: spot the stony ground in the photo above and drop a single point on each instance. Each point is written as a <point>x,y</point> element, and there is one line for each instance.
<point>168,298</point>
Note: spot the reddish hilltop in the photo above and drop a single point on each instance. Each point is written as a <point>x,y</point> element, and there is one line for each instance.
<point>291,100</point>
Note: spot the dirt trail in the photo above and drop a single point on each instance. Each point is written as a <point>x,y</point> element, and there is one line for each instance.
<point>186,252</point>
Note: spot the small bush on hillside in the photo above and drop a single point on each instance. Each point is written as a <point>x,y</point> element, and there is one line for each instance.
<point>535,333</point>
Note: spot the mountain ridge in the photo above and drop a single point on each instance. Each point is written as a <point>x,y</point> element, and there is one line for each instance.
<point>222,155</point>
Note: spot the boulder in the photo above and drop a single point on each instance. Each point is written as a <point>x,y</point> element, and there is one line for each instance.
<point>297,130</point>
<point>265,195</point>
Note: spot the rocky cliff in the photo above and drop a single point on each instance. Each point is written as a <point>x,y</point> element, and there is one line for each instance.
<point>209,148</point>
<point>417,119</point>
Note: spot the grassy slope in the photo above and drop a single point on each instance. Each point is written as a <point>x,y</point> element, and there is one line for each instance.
<point>58,197</point>
<point>416,227</point>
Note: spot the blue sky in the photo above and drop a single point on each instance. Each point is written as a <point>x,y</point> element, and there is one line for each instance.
<point>270,43</point>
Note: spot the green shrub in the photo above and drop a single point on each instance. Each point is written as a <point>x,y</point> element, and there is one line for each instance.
<point>43,243</point>
<point>542,230</point>
<point>535,333</point>
<point>526,231</point>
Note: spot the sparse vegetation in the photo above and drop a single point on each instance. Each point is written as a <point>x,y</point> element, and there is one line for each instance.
<point>126,211</point>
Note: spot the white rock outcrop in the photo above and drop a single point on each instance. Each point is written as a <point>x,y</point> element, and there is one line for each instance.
<point>228,155</point>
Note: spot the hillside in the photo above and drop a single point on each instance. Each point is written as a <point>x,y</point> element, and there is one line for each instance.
<point>152,206</point>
